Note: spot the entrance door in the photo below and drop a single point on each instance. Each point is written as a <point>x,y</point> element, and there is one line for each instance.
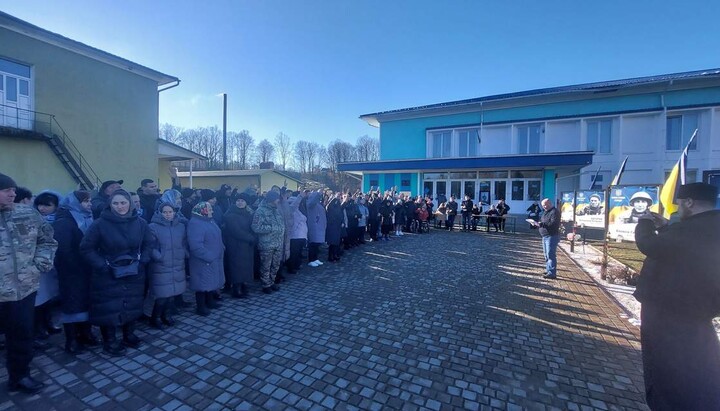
<point>441,191</point>
<point>469,190</point>
<point>484,192</point>
<point>500,191</point>
<point>456,189</point>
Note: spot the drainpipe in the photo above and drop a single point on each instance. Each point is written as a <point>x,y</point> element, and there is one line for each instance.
<point>191,164</point>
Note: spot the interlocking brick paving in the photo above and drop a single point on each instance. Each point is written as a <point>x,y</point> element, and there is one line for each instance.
<point>435,321</point>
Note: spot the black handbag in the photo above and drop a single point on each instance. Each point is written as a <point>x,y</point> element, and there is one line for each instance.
<point>125,265</point>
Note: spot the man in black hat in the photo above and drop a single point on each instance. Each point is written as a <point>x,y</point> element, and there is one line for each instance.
<point>102,198</point>
<point>27,247</point>
<point>679,289</point>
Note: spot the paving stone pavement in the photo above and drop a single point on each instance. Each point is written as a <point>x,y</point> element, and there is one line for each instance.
<point>434,321</point>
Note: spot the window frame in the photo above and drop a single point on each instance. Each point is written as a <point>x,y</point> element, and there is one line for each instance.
<point>598,122</point>
<point>682,142</point>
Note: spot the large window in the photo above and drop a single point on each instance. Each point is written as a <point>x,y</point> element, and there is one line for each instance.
<point>599,136</point>
<point>679,129</point>
<point>528,138</point>
<point>467,143</point>
<point>442,144</point>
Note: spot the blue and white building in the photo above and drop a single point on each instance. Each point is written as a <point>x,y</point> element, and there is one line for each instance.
<point>533,144</point>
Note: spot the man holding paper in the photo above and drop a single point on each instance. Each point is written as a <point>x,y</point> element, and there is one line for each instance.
<point>549,228</point>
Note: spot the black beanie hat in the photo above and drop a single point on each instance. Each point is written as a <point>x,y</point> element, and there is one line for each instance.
<point>207,195</point>
<point>6,182</point>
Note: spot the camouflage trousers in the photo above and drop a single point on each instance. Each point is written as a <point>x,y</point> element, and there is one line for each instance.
<point>270,261</point>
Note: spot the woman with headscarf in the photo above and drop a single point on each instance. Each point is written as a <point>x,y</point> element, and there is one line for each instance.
<point>167,268</point>
<point>46,203</point>
<point>117,246</point>
<point>317,225</point>
<point>240,245</point>
<point>206,257</point>
<point>72,221</point>
<point>298,235</point>
<point>172,197</point>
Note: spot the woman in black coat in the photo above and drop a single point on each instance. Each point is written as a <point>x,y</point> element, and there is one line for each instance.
<point>335,223</point>
<point>239,245</point>
<point>117,300</point>
<point>73,219</point>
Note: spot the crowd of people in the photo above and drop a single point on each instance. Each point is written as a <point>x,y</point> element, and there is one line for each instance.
<point>114,257</point>
<point>110,258</point>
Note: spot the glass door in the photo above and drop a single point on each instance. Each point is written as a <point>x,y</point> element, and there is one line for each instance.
<point>484,192</point>
<point>469,190</point>
<point>456,189</point>
<point>500,191</point>
<point>441,191</point>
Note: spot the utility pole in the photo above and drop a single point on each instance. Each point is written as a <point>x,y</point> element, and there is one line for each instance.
<point>224,131</point>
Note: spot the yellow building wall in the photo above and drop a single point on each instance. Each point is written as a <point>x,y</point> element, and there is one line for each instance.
<point>273,179</point>
<point>164,181</point>
<point>32,164</point>
<point>110,114</point>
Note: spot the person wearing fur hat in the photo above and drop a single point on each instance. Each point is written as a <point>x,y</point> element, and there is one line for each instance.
<point>269,224</point>
<point>117,246</point>
<point>240,243</point>
<point>206,257</point>
<point>74,218</point>
<point>27,248</point>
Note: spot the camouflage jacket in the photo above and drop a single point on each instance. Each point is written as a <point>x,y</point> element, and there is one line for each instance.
<point>27,247</point>
<point>269,224</point>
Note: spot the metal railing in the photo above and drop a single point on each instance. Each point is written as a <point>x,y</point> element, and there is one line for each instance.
<point>15,120</point>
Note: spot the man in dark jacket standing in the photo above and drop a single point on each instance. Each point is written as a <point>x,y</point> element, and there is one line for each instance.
<point>149,196</point>
<point>27,247</point>
<point>679,289</point>
<point>549,227</point>
<point>452,210</point>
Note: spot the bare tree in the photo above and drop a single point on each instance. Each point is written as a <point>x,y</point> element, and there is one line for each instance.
<point>314,150</point>
<point>243,146</point>
<point>206,141</point>
<point>367,149</point>
<point>301,156</point>
<point>265,151</point>
<point>339,152</point>
<point>169,133</point>
<point>283,148</point>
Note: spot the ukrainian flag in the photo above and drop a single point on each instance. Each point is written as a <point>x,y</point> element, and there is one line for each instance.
<point>674,181</point>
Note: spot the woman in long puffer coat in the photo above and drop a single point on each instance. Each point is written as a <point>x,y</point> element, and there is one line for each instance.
<point>240,243</point>
<point>73,219</point>
<point>317,225</point>
<point>167,268</point>
<point>117,300</point>
<point>206,257</point>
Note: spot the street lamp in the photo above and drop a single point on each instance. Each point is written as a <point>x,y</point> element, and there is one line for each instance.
<point>224,95</point>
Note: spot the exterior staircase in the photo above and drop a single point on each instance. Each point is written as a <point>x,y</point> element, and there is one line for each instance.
<point>42,126</point>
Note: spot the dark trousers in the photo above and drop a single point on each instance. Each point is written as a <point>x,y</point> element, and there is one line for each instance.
<point>313,251</point>
<point>296,247</point>
<point>333,252</point>
<point>450,221</point>
<point>466,221</point>
<point>361,235</point>
<point>16,320</point>
<point>493,221</point>
<point>501,223</point>
<point>373,224</point>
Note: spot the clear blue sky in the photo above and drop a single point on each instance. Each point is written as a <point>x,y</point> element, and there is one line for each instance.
<point>309,68</point>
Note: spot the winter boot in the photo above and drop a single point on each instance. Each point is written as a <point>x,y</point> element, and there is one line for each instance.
<point>201,306</point>
<point>111,345</point>
<point>72,345</point>
<point>166,313</point>
<point>129,338</point>
<point>210,301</point>
<point>155,318</point>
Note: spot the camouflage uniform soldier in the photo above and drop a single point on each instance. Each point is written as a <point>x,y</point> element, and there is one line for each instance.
<point>27,248</point>
<point>269,224</point>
